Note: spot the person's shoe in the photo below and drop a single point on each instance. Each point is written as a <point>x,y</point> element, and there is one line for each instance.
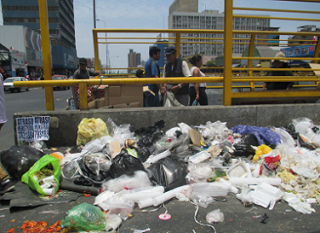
<point>6,186</point>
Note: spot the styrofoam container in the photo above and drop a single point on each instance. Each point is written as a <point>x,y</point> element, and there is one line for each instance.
<point>239,170</point>
<point>199,157</point>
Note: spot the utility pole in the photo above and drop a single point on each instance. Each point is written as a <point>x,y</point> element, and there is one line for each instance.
<point>108,65</point>
<point>94,13</point>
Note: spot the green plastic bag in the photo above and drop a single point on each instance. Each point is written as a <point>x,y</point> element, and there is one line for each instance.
<point>30,176</point>
<point>85,217</point>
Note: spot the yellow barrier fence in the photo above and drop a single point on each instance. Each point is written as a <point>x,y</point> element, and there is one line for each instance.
<point>229,77</point>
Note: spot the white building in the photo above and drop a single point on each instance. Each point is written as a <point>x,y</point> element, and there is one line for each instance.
<point>183,15</point>
<point>23,46</point>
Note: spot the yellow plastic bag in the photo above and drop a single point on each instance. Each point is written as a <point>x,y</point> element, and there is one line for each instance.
<point>90,129</point>
<point>261,150</point>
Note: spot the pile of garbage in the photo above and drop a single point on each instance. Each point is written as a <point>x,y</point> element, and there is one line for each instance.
<point>147,167</point>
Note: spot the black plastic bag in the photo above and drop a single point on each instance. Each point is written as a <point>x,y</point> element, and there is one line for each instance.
<point>143,153</point>
<point>168,172</point>
<point>19,159</point>
<point>244,147</point>
<point>149,135</point>
<point>125,164</point>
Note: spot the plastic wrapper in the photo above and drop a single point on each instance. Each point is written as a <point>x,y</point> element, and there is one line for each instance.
<point>85,217</point>
<point>125,164</point>
<point>178,142</point>
<point>113,222</point>
<point>117,205</point>
<point>87,169</point>
<point>44,168</point>
<point>89,129</point>
<point>114,203</point>
<point>270,163</point>
<point>95,145</point>
<point>286,138</point>
<point>138,180</point>
<point>307,128</point>
<point>215,131</point>
<point>168,172</point>
<point>215,216</point>
<point>19,159</point>
<point>119,133</point>
<point>297,204</point>
<point>199,172</point>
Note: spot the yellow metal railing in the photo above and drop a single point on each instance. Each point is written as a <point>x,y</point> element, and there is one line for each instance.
<point>229,77</point>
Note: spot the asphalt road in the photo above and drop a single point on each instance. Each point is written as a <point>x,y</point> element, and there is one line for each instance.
<point>33,100</point>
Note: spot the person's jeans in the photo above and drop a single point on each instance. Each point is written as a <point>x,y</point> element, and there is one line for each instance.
<point>151,100</point>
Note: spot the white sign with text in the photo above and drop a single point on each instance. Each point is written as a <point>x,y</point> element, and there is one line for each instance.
<point>32,129</point>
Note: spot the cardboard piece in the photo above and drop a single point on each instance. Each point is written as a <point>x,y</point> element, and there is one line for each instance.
<point>115,148</point>
<point>115,95</point>
<point>195,137</point>
<point>92,104</point>
<point>214,151</point>
<point>100,103</point>
<point>123,105</point>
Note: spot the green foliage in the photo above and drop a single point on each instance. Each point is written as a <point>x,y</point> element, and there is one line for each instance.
<point>211,64</point>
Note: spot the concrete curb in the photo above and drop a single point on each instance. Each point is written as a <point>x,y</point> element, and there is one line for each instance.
<point>64,124</point>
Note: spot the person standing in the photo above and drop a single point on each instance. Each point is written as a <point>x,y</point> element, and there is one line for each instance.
<point>152,70</point>
<point>83,72</point>
<point>278,63</point>
<point>3,117</point>
<point>5,180</point>
<point>197,91</point>
<point>177,67</point>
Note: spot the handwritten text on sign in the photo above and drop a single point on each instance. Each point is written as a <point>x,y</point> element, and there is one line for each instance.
<point>32,129</point>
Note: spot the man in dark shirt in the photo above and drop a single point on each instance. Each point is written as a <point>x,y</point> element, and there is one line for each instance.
<point>83,72</point>
<point>278,63</point>
<point>177,67</point>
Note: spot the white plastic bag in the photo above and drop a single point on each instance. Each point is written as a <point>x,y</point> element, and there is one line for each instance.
<point>170,101</point>
<point>215,216</point>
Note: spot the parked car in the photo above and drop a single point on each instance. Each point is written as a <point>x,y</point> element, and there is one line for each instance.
<point>60,77</point>
<point>8,84</point>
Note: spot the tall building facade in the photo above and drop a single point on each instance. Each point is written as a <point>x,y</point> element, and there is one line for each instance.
<point>187,17</point>
<point>134,59</point>
<point>61,28</point>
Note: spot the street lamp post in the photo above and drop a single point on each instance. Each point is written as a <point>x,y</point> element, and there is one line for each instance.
<point>107,50</point>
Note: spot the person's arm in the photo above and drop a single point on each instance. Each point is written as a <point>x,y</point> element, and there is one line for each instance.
<point>154,73</point>
<point>264,87</point>
<point>196,73</point>
<point>163,76</point>
<point>91,73</point>
<point>186,73</point>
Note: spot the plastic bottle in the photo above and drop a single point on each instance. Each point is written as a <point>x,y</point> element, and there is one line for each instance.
<point>195,103</point>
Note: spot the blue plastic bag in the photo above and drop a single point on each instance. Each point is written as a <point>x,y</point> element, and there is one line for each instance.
<point>264,135</point>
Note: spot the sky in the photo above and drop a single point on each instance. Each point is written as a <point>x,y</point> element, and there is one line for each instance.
<point>153,14</point>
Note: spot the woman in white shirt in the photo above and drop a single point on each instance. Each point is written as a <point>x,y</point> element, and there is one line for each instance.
<point>197,91</point>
